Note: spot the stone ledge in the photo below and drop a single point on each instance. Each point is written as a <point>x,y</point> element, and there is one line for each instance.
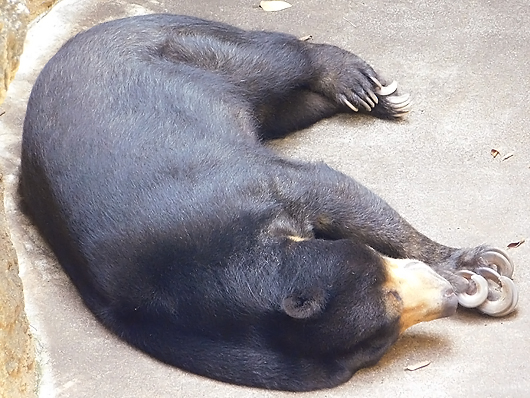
<point>17,356</point>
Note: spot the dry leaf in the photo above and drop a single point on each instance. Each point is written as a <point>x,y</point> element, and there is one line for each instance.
<point>494,153</point>
<point>305,38</point>
<point>508,156</point>
<point>274,5</point>
<point>513,245</point>
<point>418,365</point>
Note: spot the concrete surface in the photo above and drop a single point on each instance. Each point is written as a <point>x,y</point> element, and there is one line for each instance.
<point>465,63</point>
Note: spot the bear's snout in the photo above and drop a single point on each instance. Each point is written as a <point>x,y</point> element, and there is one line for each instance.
<point>423,294</point>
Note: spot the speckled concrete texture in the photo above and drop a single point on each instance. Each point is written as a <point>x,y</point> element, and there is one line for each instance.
<point>466,65</point>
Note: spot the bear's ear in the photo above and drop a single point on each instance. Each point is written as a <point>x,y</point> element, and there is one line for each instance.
<point>305,304</point>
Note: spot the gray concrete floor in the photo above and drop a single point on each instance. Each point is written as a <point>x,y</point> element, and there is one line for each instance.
<point>465,63</point>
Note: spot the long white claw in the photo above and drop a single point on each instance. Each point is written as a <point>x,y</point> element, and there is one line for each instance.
<point>365,105</point>
<point>387,90</point>
<point>369,101</point>
<point>373,97</point>
<point>350,105</point>
<point>509,295</point>
<point>405,108</point>
<point>401,114</point>
<point>479,296</point>
<point>376,82</point>
<point>402,111</point>
<point>399,100</point>
<point>500,259</point>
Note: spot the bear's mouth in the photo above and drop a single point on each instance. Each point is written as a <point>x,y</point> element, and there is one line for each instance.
<point>416,293</point>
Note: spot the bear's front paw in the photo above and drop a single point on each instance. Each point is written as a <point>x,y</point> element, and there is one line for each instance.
<point>489,288</point>
<point>382,101</point>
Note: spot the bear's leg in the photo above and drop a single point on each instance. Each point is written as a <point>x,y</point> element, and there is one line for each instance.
<point>338,207</point>
<point>337,81</point>
<point>290,84</point>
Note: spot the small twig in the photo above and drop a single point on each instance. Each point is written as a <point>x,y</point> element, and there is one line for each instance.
<point>347,20</point>
<point>508,156</point>
<point>3,113</point>
<point>418,365</point>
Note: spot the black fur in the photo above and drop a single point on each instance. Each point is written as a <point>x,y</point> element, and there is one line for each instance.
<point>142,166</point>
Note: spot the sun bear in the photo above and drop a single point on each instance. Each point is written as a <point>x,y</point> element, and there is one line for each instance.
<point>144,168</point>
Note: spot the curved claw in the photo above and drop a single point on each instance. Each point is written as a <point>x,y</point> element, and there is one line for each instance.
<point>401,114</point>
<point>365,105</point>
<point>509,284</point>
<point>348,103</point>
<point>500,259</point>
<point>376,82</point>
<point>369,101</point>
<point>399,100</point>
<point>403,109</point>
<point>374,98</point>
<point>387,90</point>
<point>509,294</point>
<point>401,103</point>
<point>479,296</point>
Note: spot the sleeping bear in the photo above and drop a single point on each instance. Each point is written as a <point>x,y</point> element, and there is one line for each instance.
<point>144,168</point>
